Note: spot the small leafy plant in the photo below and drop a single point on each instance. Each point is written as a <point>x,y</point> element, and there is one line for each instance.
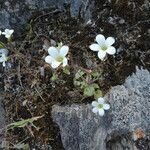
<point>86,82</point>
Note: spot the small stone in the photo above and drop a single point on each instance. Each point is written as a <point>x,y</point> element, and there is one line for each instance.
<point>121,21</point>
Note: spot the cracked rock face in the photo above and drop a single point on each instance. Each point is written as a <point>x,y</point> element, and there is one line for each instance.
<point>15,13</point>
<point>128,119</point>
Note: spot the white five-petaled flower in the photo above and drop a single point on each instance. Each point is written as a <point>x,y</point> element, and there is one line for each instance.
<point>57,56</point>
<point>3,56</point>
<point>99,106</point>
<point>8,33</point>
<point>103,46</point>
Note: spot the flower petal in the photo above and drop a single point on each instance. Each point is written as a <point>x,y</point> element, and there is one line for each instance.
<point>64,50</point>
<point>94,47</point>
<point>111,50</point>
<point>49,59</point>
<point>101,54</point>
<point>109,41</point>
<point>94,103</point>
<point>11,31</point>
<point>100,39</point>
<point>106,106</point>
<point>65,62</point>
<point>4,57</point>
<point>53,52</point>
<point>8,33</point>
<point>95,110</point>
<point>101,100</point>
<point>3,51</point>
<point>55,64</point>
<point>3,33</point>
<point>1,59</point>
<point>6,30</point>
<point>7,36</point>
<point>4,64</point>
<point>101,112</point>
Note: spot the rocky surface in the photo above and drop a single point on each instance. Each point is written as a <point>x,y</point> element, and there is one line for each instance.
<point>15,13</point>
<point>127,122</point>
<point>2,120</point>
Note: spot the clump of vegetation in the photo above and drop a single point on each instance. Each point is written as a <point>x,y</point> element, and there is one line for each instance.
<point>85,80</point>
<point>33,86</point>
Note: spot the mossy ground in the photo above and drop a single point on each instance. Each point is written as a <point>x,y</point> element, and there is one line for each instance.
<point>127,22</point>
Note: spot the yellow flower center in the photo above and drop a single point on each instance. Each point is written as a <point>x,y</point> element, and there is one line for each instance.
<point>59,58</point>
<point>104,47</point>
<point>100,106</point>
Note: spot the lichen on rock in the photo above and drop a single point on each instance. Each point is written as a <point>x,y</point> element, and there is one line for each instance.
<point>129,113</point>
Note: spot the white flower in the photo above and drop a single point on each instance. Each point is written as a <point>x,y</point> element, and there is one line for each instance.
<point>3,56</point>
<point>103,46</point>
<point>8,33</point>
<point>100,106</point>
<point>57,56</point>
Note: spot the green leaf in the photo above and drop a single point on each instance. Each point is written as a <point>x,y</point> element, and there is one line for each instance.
<point>89,91</point>
<point>77,83</point>
<point>21,146</point>
<point>95,86</point>
<point>26,147</point>
<point>98,94</point>
<point>2,45</point>
<point>79,74</point>
<point>22,123</point>
<point>59,45</point>
<point>95,74</point>
<point>83,85</point>
<point>66,71</point>
<point>54,77</point>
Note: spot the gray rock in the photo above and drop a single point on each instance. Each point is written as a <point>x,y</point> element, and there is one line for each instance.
<point>2,120</point>
<point>130,111</point>
<point>15,13</point>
